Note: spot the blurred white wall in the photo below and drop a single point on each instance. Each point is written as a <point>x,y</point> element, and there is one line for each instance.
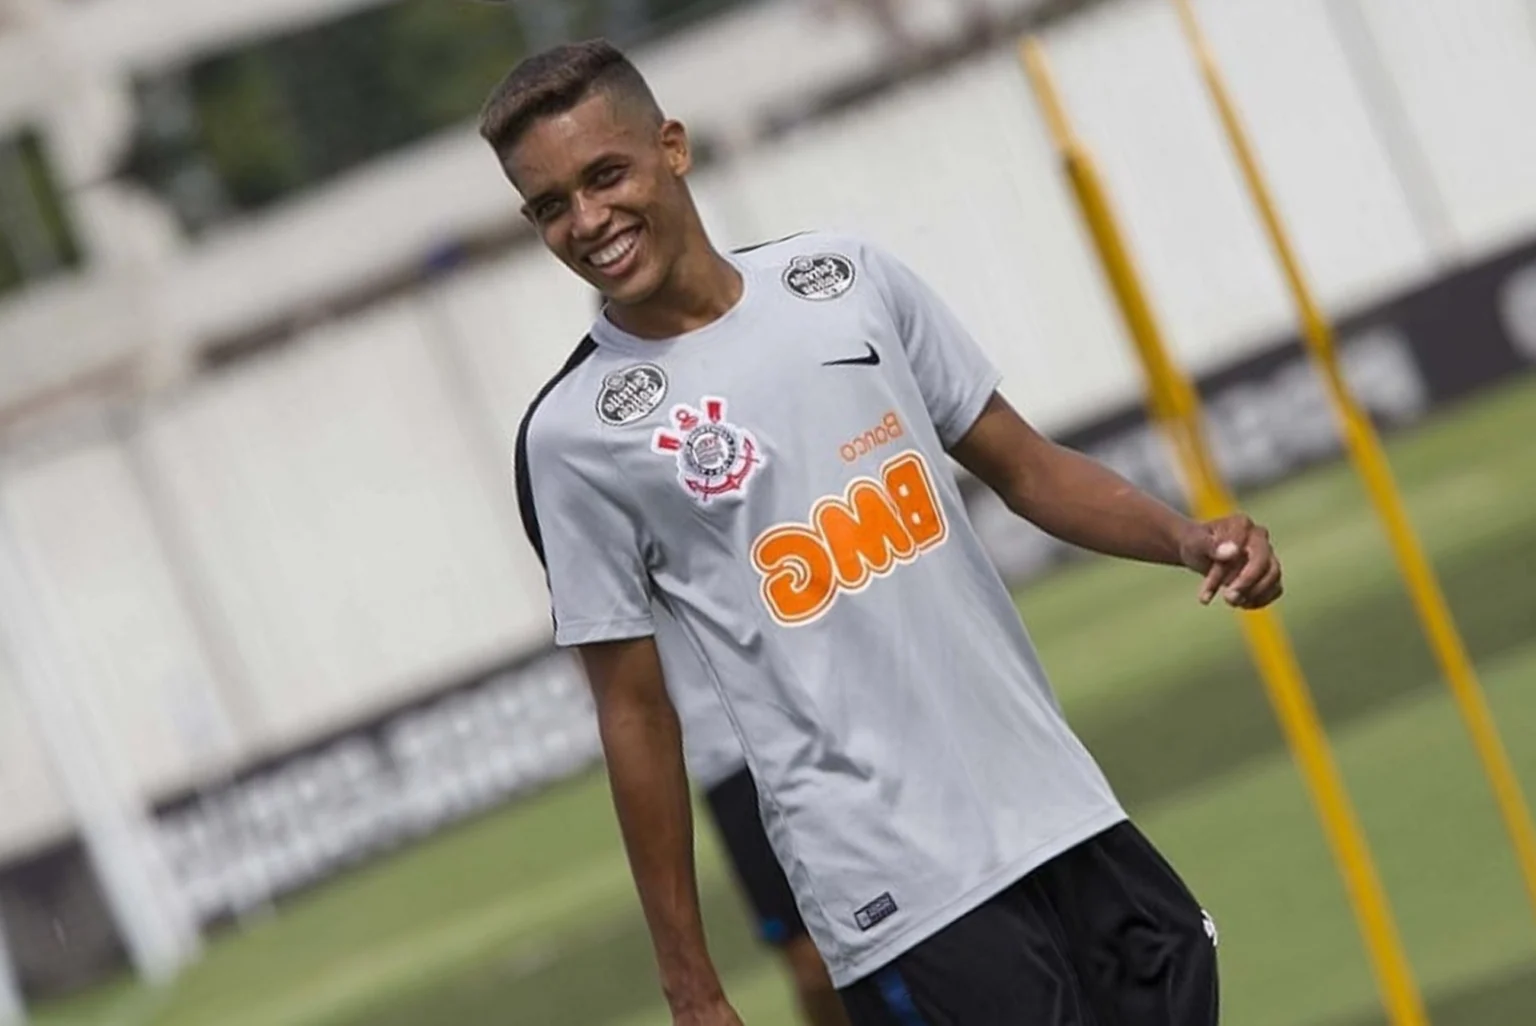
<point>342,529</point>
<point>359,550</point>
<point>35,812</point>
<point>1465,78</point>
<point>81,525</point>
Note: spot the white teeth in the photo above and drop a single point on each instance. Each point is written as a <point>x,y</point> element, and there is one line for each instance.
<point>615,251</point>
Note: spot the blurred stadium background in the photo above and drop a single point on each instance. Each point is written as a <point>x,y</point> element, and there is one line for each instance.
<point>281,739</point>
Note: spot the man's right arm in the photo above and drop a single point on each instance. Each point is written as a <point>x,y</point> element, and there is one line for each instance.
<point>642,743</point>
<point>589,535</point>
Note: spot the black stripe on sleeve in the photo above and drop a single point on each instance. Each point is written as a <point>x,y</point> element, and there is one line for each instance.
<point>525,503</point>
<point>770,242</point>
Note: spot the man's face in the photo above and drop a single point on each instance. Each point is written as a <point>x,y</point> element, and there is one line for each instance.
<point>603,185</point>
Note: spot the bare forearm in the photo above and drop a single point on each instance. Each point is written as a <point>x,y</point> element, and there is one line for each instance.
<point>641,740</point>
<point>1065,493</point>
<point>1084,503</point>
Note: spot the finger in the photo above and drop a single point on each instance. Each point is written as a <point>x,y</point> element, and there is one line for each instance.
<point>1216,579</point>
<point>1220,570</point>
<point>1212,582</point>
<point>1260,559</point>
<point>1266,590</point>
<point>1267,599</point>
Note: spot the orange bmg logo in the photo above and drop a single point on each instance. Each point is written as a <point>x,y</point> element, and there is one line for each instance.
<point>876,525</point>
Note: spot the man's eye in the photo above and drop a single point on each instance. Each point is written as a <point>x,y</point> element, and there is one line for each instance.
<point>547,210</point>
<point>608,176</point>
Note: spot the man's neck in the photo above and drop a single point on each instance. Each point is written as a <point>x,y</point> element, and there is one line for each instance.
<point>702,289</point>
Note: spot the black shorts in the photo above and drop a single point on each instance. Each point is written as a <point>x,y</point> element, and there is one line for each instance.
<point>733,805</point>
<point>1104,935</point>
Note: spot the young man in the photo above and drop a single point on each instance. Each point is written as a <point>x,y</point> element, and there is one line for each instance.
<point>758,442</point>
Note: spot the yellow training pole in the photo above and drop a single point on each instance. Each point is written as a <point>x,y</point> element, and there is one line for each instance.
<point>1176,406</point>
<point>1370,462</point>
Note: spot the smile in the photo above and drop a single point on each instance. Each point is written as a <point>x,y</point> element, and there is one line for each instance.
<point>612,254</point>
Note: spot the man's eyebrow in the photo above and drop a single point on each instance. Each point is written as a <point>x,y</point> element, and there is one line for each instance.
<point>596,163</point>
<point>534,201</point>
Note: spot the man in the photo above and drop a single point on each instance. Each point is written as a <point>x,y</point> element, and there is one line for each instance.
<point>758,442</point>
<point>716,764</point>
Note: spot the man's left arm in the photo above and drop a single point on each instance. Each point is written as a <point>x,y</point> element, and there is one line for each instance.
<point>1062,492</point>
<point>1082,502</point>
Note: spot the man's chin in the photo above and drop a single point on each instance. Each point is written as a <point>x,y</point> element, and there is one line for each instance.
<point>633,291</point>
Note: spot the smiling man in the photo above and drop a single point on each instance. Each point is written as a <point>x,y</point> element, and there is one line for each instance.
<point>757,443</point>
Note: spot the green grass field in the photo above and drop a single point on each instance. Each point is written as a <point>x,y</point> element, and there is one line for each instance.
<point>526,917</point>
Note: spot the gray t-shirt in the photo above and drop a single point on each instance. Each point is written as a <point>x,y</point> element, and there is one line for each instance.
<point>778,481</point>
<point>710,748</point>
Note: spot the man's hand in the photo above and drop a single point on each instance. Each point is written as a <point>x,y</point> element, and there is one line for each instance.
<point>715,1013</point>
<point>1235,556</point>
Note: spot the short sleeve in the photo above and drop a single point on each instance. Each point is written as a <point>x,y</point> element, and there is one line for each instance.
<point>590,545</point>
<point>956,378</point>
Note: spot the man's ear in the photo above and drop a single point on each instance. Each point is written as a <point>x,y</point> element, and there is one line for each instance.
<point>675,147</point>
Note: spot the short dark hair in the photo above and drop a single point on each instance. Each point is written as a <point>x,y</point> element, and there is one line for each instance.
<point>556,80</point>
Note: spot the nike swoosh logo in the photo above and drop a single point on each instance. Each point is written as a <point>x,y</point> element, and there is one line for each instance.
<point>870,358</point>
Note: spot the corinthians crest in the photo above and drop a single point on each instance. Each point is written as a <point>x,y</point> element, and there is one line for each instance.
<point>714,456</point>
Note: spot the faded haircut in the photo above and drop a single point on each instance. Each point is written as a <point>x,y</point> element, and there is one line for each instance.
<point>556,80</point>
